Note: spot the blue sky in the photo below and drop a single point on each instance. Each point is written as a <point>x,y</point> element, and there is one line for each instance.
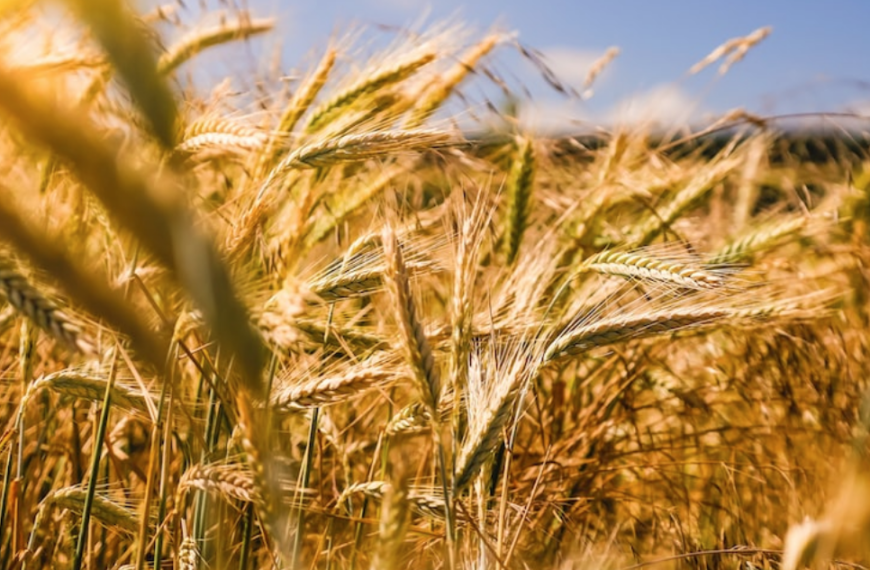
<point>816,59</point>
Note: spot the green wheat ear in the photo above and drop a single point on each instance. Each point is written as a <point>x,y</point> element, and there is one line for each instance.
<point>518,190</point>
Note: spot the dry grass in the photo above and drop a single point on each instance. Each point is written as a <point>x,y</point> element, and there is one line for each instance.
<point>320,328</point>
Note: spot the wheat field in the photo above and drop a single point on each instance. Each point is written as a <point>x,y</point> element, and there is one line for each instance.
<point>317,322</point>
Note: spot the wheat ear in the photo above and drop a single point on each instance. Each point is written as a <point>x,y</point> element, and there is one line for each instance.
<point>620,328</point>
<point>420,359</point>
<point>219,135</point>
<point>379,80</point>
<point>298,105</point>
<point>229,481</point>
<point>88,386</point>
<point>418,353</point>
<point>486,424</point>
<point>440,90</point>
<point>28,301</point>
<point>357,147</point>
<point>636,265</point>
<point>759,239</point>
<point>326,390</point>
<point>149,210</point>
<point>682,201</point>
<point>108,512</point>
<point>519,192</point>
<point>94,295</point>
<point>395,516</point>
<point>131,53</point>
<point>202,38</point>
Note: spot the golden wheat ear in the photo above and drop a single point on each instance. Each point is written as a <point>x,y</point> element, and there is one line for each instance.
<point>132,55</point>
<point>149,207</point>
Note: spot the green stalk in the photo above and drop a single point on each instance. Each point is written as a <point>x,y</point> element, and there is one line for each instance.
<point>248,524</point>
<point>306,477</point>
<point>247,531</point>
<point>95,466</point>
<point>358,531</point>
<point>4,499</point>
<point>142,547</point>
<point>164,476</point>
<point>202,507</point>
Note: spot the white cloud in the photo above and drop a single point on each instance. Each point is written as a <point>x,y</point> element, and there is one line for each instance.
<point>663,105</point>
<point>403,5</point>
<point>572,64</point>
<point>554,116</point>
<point>859,107</point>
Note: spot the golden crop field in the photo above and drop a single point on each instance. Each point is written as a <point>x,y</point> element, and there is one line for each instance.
<point>323,326</point>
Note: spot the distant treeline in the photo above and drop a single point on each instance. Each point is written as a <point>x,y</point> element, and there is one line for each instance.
<point>815,147</point>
